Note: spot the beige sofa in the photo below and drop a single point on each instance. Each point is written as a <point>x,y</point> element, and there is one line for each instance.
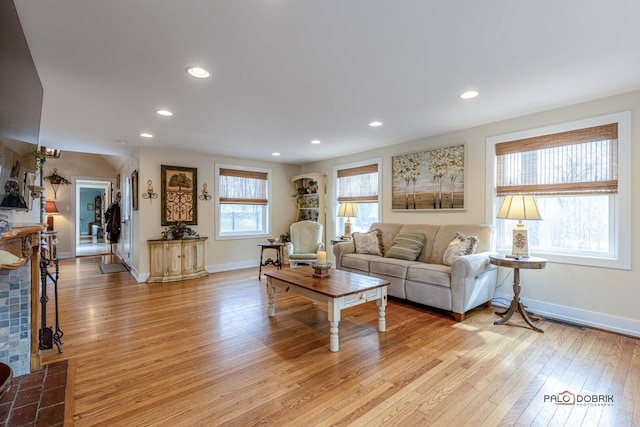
<point>469,282</point>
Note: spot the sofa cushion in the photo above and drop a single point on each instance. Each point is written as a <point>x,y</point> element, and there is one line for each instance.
<point>406,246</point>
<point>462,245</point>
<point>390,267</point>
<point>358,261</point>
<point>434,274</point>
<point>369,243</point>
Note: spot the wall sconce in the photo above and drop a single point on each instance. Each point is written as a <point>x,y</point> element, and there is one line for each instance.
<point>205,193</point>
<point>149,194</point>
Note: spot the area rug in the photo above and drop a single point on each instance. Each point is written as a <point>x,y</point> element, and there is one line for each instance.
<point>112,268</point>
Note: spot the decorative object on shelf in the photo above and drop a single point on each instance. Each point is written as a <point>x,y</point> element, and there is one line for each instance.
<point>134,190</point>
<point>56,181</point>
<point>348,210</point>
<point>272,240</point>
<point>205,193</point>
<point>149,194</point>
<point>53,153</point>
<point>41,158</point>
<point>5,225</point>
<point>310,194</point>
<point>51,209</point>
<point>429,180</point>
<point>520,207</point>
<point>13,198</point>
<point>179,193</point>
<point>321,270</point>
<point>178,230</point>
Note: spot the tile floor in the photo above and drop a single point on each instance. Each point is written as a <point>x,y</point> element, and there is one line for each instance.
<point>36,399</point>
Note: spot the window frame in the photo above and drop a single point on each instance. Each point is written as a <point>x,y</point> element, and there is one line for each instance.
<point>338,223</point>
<point>620,203</point>
<point>267,214</point>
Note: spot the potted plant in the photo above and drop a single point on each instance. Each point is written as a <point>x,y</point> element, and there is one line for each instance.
<point>177,231</point>
<point>56,180</point>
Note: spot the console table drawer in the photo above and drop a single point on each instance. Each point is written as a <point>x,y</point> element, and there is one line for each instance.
<point>360,297</point>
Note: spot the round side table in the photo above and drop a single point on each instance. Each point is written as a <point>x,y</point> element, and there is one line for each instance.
<point>534,263</point>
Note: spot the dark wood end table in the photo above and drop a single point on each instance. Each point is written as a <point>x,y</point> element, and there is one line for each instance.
<point>516,305</point>
<point>276,262</point>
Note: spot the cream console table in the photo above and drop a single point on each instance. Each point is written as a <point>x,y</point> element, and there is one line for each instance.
<point>173,260</point>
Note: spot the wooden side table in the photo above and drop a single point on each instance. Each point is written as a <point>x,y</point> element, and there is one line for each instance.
<point>516,305</point>
<point>276,262</point>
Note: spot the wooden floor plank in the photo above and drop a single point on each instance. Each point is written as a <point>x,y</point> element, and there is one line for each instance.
<point>204,352</point>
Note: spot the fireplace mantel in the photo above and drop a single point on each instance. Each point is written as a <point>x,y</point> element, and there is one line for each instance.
<point>23,241</point>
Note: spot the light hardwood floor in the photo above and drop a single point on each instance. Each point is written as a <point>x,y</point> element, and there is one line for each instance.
<point>204,353</point>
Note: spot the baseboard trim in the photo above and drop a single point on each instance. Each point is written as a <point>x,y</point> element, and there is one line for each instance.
<point>577,316</point>
<point>218,268</point>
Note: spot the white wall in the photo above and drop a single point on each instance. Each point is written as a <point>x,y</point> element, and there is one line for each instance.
<point>599,297</point>
<point>220,254</point>
<point>71,165</point>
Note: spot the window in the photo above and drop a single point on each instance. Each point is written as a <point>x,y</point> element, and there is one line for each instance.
<point>580,175</point>
<point>243,202</point>
<point>359,183</point>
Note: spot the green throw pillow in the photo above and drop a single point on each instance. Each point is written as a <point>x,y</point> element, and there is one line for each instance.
<point>406,246</point>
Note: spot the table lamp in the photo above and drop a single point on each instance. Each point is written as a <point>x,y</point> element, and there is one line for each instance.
<point>348,210</point>
<point>519,206</point>
<point>51,209</point>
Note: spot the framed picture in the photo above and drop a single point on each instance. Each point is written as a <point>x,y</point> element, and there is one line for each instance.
<point>89,206</point>
<point>178,195</point>
<point>134,190</point>
<point>429,180</point>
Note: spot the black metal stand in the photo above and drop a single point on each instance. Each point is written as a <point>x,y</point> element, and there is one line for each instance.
<point>49,256</point>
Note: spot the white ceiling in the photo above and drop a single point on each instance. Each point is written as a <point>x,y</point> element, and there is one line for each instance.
<point>286,72</point>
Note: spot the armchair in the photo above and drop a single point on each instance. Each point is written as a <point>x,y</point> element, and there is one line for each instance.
<point>306,241</point>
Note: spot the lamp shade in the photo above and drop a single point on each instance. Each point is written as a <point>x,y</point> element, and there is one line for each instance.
<point>519,206</point>
<point>50,207</point>
<point>348,209</point>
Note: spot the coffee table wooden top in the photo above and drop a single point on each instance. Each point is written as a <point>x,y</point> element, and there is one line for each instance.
<point>339,284</point>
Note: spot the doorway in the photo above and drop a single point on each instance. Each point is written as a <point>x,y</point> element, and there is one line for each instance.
<point>92,198</point>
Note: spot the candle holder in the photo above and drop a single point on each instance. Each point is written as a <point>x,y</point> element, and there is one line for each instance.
<point>149,194</point>
<point>321,270</point>
<point>205,193</point>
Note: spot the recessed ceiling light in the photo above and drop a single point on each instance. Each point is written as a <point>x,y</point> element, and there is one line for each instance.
<point>146,135</point>
<point>275,154</point>
<point>165,113</point>
<point>198,72</point>
<point>375,124</point>
<point>315,141</point>
<point>469,94</point>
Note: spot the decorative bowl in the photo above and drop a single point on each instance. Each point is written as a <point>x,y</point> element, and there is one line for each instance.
<point>272,241</point>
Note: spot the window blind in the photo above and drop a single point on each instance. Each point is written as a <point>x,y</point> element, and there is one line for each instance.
<point>582,161</point>
<point>358,184</point>
<point>241,187</point>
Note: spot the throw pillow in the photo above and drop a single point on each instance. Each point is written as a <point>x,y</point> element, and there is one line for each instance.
<point>407,246</point>
<point>461,245</point>
<point>369,243</point>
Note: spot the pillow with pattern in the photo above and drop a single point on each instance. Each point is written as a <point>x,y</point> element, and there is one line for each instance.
<point>407,246</point>
<point>461,245</point>
<point>369,243</point>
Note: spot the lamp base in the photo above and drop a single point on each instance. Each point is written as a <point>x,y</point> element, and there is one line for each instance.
<point>50,223</point>
<point>347,230</point>
<point>520,246</point>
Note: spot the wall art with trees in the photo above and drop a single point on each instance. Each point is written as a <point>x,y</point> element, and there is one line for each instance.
<point>429,180</point>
